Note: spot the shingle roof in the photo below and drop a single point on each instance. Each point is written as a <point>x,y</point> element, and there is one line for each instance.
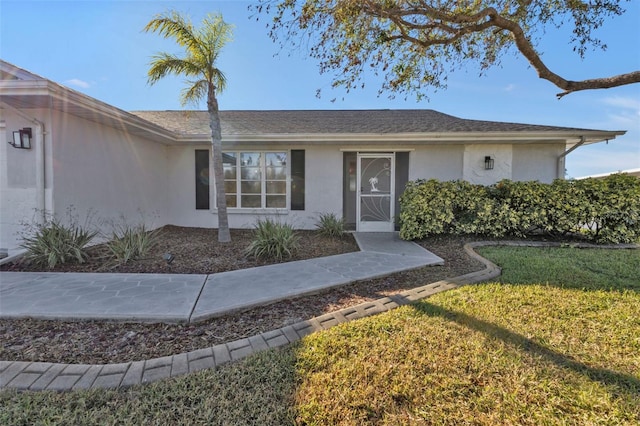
<point>253,123</point>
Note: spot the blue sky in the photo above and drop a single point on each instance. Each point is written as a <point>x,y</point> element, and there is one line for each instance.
<point>98,47</point>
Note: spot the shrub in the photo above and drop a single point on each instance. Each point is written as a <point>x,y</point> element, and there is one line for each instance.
<point>273,240</point>
<point>52,243</point>
<point>603,210</point>
<point>330,225</point>
<point>130,243</point>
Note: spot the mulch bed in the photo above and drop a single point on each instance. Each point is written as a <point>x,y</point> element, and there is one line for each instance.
<point>197,251</point>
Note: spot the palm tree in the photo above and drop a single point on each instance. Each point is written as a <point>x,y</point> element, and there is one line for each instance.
<point>202,46</point>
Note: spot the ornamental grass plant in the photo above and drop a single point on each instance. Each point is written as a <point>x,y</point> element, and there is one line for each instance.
<point>55,242</point>
<point>330,225</point>
<point>273,240</point>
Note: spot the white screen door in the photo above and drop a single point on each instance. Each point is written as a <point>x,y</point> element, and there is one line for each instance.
<point>375,201</point>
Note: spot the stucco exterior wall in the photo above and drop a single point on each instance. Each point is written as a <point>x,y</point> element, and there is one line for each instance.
<point>18,193</point>
<point>442,162</point>
<point>474,168</point>
<point>102,170</point>
<point>537,162</point>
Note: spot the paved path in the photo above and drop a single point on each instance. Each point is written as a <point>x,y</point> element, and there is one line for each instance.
<point>36,376</point>
<point>184,298</point>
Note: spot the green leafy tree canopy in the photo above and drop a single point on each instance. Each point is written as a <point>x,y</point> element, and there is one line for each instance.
<point>414,44</point>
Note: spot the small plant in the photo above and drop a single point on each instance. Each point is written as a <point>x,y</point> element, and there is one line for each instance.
<point>52,243</point>
<point>273,240</point>
<point>330,225</point>
<point>130,243</point>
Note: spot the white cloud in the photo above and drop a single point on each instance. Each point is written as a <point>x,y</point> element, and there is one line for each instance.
<point>627,110</point>
<point>624,103</point>
<point>78,83</point>
<point>510,87</point>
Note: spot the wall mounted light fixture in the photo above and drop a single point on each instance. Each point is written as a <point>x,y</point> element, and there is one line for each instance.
<point>488,163</point>
<point>22,138</point>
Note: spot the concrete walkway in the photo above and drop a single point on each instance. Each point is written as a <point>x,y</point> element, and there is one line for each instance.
<point>190,298</point>
<point>36,376</point>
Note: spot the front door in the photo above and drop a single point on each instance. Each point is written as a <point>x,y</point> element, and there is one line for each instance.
<point>375,194</point>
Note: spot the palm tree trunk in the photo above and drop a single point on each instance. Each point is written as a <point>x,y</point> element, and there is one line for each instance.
<point>224,236</point>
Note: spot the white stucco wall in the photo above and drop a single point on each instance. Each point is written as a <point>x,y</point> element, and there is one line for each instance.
<point>442,162</point>
<point>18,195</point>
<point>536,162</point>
<point>474,168</point>
<point>99,169</point>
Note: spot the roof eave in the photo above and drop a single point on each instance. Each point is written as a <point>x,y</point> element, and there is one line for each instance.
<point>90,107</point>
<point>569,137</point>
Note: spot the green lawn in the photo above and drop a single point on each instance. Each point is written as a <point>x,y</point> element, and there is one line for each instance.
<point>562,349</point>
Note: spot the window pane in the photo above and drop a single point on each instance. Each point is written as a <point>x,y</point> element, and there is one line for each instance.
<point>277,173</point>
<point>230,186</point>
<point>251,173</point>
<point>276,201</point>
<point>276,187</point>
<point>231,201</point>
<point>229,165</point>
<point>229,172</point>
<point>250,159</point>
<point>276,159</point>
<point>251,187</point>
<point>251,201</point>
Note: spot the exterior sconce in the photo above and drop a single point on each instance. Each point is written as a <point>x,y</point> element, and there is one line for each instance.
<point>488,163</point>
<point>22,138</point>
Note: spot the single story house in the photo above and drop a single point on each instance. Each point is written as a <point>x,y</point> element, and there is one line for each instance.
<point>60,148</point>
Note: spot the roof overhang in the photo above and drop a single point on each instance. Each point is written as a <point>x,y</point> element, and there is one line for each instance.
<point>570,138</point>
<point>43,94</point>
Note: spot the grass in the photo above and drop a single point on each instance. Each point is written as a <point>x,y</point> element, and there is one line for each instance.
<point>590,269</point>
<point>562,349</point>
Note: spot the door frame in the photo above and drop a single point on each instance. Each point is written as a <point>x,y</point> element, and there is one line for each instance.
<point>378,226</point>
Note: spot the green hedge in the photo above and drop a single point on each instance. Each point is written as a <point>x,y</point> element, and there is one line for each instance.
<point>603,210</point>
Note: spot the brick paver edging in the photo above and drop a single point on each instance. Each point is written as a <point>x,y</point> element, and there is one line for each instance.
<point>36,376</point>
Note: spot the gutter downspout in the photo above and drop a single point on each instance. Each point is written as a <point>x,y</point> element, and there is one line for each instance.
<point>40,164</point>
<point>561,164</point>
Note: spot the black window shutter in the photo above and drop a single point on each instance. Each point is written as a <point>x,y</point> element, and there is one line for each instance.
<point>202,179</point>
<point>297,179</point>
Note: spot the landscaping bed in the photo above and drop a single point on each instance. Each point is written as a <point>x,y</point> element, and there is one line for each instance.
<point>197,251</point>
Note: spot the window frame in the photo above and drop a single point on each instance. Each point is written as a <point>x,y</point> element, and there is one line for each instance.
<point>263,181</point>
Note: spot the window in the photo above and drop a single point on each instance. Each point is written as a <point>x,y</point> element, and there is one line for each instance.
<point>255,179</point>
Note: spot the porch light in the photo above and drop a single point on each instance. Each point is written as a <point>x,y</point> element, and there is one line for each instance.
<point>22,138</point>
<point>488,163</point>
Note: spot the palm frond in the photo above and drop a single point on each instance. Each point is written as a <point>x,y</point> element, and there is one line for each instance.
<point>173,25</point>
<point>163,64</point>
<point>194,91</point>
<point>216,33</point>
